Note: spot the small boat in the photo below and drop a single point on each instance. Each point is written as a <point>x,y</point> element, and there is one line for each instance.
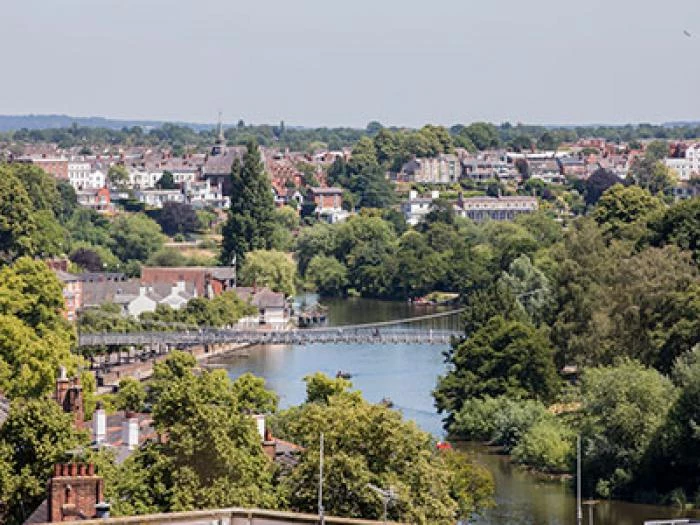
<point>343,375</point>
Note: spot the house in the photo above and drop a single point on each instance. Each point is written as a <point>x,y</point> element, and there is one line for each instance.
<point>573,167</point>
<point>82,177</point>
<point>272,307</point>
<point>687,166</point>
<point>143,179</point>
<point>156,198</point>
<point>547,170</point>
<point>443,169</point>
<point>55,165</point>
<point>417,207</point>
<point>482,168</point>
<point>72,294</point>
<point>201,194</point>
<point>99,200</point>
<point>329,204</point>
<point>179,295</point>
<point>480,209</point>
<point>72,287</point>
<point>208,281</point>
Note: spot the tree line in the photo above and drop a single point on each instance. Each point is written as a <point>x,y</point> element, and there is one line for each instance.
<point>475,136</point>
<point>593,331</point>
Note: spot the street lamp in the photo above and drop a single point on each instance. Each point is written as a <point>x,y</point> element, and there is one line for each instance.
<point>387,496</point>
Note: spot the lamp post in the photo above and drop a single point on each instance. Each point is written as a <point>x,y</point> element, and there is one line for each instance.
<point>579,510</point>
<point>321,517</point>
<point>387,496</point>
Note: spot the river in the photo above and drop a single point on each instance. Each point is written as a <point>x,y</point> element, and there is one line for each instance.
<point>406,374</point>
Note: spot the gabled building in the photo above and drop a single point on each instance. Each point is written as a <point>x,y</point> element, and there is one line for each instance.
<point>329,204</point>
<point>480,209</point>
<point>443,169</point>
<point>417,206</point>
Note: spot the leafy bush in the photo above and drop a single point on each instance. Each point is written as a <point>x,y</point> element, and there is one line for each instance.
<point>546,445</point>
<point>500,421</point>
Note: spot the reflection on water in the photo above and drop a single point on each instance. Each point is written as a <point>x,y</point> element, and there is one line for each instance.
<point>406,374</point>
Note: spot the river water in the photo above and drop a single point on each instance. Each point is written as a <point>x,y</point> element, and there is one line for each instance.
<point>407,374</point>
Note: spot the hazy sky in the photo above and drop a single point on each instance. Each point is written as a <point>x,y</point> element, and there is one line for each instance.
<point>334,62</point>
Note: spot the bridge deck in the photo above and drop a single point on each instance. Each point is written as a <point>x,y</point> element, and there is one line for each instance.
<point>382,332</point>
<point>290,337</point>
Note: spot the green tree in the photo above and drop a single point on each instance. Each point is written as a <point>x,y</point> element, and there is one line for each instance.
<point>502,357</point>
<point>328,275</point>
<point>166,181</point>
<point>212,458</point>
<point>319,239</point>
<point>251,216</point>
<point>624,405</point>
<point>269,268</point>
<point>17,221</point>
<point>621,209</point>
<point>482,135</point>
<point>650,174</point>
<point>547,446</point>
<point>35,340</point>
<point>178,217</point>
<point>677,441</point>
<point>131,395</point>
<point>680,224</point>
<point>320,387</point>
<point>135,237</point>
<point>118,176</point>
<point>365,443</point>
<point>252,396</point>
<point>599,181</point>
<point>35,436</point>
<point>167,256</point>
<point>365,177</point>
<point>531,289</point>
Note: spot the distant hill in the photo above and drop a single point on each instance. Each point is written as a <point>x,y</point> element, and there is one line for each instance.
<point>14,122</point>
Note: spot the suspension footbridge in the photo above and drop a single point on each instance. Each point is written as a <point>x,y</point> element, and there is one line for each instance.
<point>417,330</point>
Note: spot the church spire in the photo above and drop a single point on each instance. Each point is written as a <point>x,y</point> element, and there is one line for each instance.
<point>220,142</point>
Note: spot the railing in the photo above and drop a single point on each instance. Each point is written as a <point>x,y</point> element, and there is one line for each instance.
<point>232,516</point>
<point>382,332</point>
<point>338,335</point>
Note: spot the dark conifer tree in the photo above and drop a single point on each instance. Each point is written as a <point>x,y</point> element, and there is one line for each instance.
<point>251,216</point>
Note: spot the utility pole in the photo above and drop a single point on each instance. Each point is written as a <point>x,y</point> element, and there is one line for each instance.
<point>321,517</point>
<point>579,510</point>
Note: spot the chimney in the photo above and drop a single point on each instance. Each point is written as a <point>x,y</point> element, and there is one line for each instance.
<point>99,425</point>
<point>74,492</point>
<point>412,194</point>
<point>69,396</point>
<point>130,432</point>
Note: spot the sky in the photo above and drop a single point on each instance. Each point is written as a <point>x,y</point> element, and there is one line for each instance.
<point>341,63</point>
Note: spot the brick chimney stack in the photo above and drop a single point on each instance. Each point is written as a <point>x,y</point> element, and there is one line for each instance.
<point>73,492</point>
<point>69,396</point>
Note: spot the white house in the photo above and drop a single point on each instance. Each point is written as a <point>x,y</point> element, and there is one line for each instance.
<point>687,167</point>
<point>417,207</point>
<point>202,193</point>
<point>179,295</point>
<point>143,179</point>
<point>272,307</point>
<point>156,198</point>
<point>135,305</point>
